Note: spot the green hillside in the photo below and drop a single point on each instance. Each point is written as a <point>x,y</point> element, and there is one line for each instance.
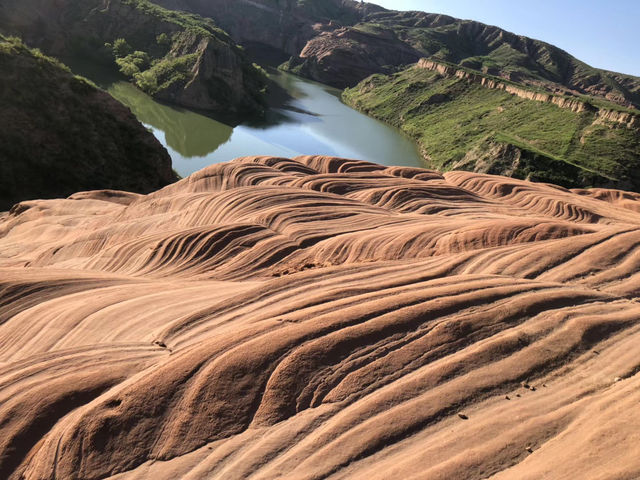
<point>59,134</point>
<point>496,51</point>
<point>463,125</point>
<point>175,56</point>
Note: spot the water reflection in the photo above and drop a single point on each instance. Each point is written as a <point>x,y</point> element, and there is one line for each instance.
<point>307,118</point>
<point>186,132</point>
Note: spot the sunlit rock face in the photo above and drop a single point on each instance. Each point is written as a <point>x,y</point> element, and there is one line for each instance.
<point>321,318</point>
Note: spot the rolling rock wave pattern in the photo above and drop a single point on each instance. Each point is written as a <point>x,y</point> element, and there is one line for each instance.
<point>322,318</point>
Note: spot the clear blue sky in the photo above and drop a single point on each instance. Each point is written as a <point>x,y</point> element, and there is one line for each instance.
<point>602,33</point>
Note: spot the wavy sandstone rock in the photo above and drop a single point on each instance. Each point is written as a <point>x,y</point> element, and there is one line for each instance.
<point>322,318</point>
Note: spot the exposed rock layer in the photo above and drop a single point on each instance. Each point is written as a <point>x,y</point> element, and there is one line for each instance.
<point>59,134</point>
<point>338,56</point>
<point>322,318</point>
<point>575,105</point>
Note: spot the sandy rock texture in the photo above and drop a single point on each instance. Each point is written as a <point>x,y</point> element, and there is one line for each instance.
<point>322,318</point>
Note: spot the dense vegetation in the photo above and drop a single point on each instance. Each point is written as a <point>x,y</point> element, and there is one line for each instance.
<point>462,125</point>
<point>59,134</point>
<point>186,21</point>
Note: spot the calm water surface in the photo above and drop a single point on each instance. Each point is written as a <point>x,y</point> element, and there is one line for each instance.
<point>312,122</point>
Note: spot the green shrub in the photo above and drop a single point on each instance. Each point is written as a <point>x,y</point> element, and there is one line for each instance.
<point>166,73</point>
<point>163,39</point>
<point>121,48</point>
<point>133,63</point>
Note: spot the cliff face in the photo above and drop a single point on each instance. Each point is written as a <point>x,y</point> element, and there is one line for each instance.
<point>59,134</point>
<point>286,25</point>
<point>336,57</point>
<point>173,56</point>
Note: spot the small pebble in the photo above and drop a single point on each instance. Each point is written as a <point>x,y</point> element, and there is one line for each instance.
<point>463,416</point>
<point>518,395</point>
<point>532,388</point>
<point>529,449</point>
<point>617,379</point>
<point>507,397</point>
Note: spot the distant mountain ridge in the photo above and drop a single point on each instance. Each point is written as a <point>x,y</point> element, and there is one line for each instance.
<point>341,42</point>
<point>499,52</point>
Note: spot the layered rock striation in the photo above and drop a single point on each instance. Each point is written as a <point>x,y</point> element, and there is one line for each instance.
<point>497,84</point>
<point>321,318</point>
<point>630,119</point>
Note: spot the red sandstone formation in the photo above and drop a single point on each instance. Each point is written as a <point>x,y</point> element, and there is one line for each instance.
<point>322,318</point>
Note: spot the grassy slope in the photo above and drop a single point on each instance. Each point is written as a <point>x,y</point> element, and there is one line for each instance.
<point>468,124</point>
<point>59,134</point>
<point>478,46</point>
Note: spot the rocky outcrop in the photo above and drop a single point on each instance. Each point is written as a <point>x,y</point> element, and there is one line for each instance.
<point>178,57</point>
<point>340,56</point>
<point>632,120</point>
<point>317,318</point>
<point>59,134</point>
<point>497,84</point>
<point>575,105</point>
